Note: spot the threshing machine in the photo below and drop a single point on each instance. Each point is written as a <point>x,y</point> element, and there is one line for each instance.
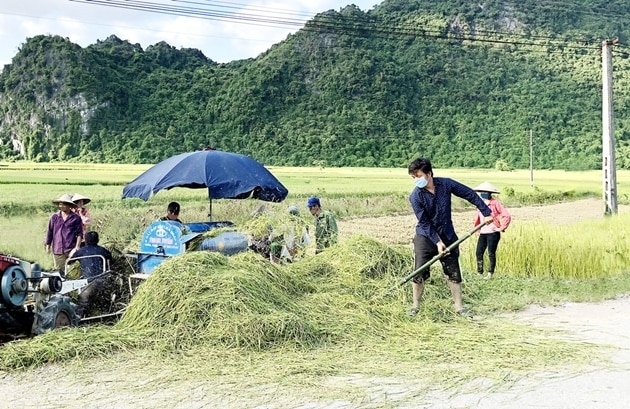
<point>164,239</point>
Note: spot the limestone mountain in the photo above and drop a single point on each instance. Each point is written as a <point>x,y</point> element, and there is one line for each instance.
<point>461,82</point>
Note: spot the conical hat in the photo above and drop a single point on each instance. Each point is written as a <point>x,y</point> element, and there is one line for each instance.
<point>486,187</point>
<point>77,196</point>
<point>65,198</point>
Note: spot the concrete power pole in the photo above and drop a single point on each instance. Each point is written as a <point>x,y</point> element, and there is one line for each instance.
<point>531,158</point>
<point>608,131</point>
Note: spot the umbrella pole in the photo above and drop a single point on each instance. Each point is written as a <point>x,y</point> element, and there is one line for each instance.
<point>210,210</point>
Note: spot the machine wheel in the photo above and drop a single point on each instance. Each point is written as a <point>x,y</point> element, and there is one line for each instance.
<point>59,312</point>
<point>62,319</point>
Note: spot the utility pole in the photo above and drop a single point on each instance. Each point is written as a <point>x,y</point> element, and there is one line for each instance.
<point>609,169</point>
<point>531,158</point>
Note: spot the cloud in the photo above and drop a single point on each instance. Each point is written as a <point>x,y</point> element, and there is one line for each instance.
<point>222,41</point>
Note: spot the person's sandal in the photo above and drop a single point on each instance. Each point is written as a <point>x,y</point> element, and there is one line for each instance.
<point>412,312</point>
<point>464,313</point>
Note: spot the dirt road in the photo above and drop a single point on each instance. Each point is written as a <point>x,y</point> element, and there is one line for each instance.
<point>592,387</point>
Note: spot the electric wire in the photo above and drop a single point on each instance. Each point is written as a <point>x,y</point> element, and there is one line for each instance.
<point>325,23</point>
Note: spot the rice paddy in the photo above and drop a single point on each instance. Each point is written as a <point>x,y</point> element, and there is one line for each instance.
<point>587,250</point>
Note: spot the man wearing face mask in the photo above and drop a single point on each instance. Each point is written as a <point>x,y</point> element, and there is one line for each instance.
<point>490,234</point>
<point>431,203</point>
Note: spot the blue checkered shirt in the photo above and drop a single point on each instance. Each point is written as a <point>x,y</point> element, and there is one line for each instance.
<point>433,211</point>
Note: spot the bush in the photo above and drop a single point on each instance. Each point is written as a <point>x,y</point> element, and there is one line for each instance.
<point>502,166</point>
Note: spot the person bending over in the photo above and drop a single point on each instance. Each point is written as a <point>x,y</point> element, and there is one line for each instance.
<point>94,261</point>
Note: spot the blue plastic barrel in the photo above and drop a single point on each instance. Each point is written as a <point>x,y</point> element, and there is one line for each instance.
<point>228,243</point>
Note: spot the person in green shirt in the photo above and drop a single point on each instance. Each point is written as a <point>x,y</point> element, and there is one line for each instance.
<point>326,232</point>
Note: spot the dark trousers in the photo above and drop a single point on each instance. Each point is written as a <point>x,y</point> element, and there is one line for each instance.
<point>425,250</point>
<point>489,242</point>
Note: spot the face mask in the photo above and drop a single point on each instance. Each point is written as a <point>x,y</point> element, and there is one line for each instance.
<point>484,195</point>
<point>420,182</point>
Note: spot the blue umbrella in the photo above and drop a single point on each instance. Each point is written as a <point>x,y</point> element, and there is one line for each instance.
<point>226,175</point>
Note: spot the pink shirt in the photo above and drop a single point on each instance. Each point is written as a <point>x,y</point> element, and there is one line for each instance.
<point>500,216</point>
<point>85,217</point>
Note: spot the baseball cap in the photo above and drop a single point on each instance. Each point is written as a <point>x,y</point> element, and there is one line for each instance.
<point>313,201</point>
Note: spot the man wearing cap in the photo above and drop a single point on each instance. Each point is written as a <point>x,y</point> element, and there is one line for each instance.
<point>431,203</point>
<point>64,233</point>
<point>326,232</point>
<point>490,234</point>
<point>80,201</point>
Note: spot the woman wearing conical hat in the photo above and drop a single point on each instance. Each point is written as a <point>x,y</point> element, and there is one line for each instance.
<point>490,234</point>
<point>80,201</point>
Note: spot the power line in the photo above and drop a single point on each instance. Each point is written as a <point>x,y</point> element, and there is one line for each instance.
<point>221,11</point>
<point>214,13</point>
<point>232,5</point>
<point>130,27</point>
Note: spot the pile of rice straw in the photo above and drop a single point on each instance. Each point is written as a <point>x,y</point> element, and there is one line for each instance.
<point>339,297</point>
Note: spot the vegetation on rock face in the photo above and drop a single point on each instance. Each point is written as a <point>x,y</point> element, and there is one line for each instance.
<point>461,82</point>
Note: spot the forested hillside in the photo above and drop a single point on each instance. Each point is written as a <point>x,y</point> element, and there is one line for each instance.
<point>462,82</point>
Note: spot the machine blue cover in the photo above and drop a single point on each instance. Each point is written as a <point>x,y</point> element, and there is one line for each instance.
<point>164,239</point>
<point>202,227</point>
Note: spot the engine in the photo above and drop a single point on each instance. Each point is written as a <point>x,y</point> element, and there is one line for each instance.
<point>30,301</point>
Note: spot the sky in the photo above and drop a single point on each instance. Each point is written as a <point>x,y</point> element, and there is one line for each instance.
<point>85,21</point>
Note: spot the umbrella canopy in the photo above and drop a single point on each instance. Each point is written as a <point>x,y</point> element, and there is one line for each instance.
<point>226,175</point>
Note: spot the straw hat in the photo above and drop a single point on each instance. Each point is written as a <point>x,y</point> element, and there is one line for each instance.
<point>65,198</point>
<point>486,187</point>
<point>77,196</point>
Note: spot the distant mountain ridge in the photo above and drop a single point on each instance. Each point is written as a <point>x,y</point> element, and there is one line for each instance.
<point>461,82</point>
